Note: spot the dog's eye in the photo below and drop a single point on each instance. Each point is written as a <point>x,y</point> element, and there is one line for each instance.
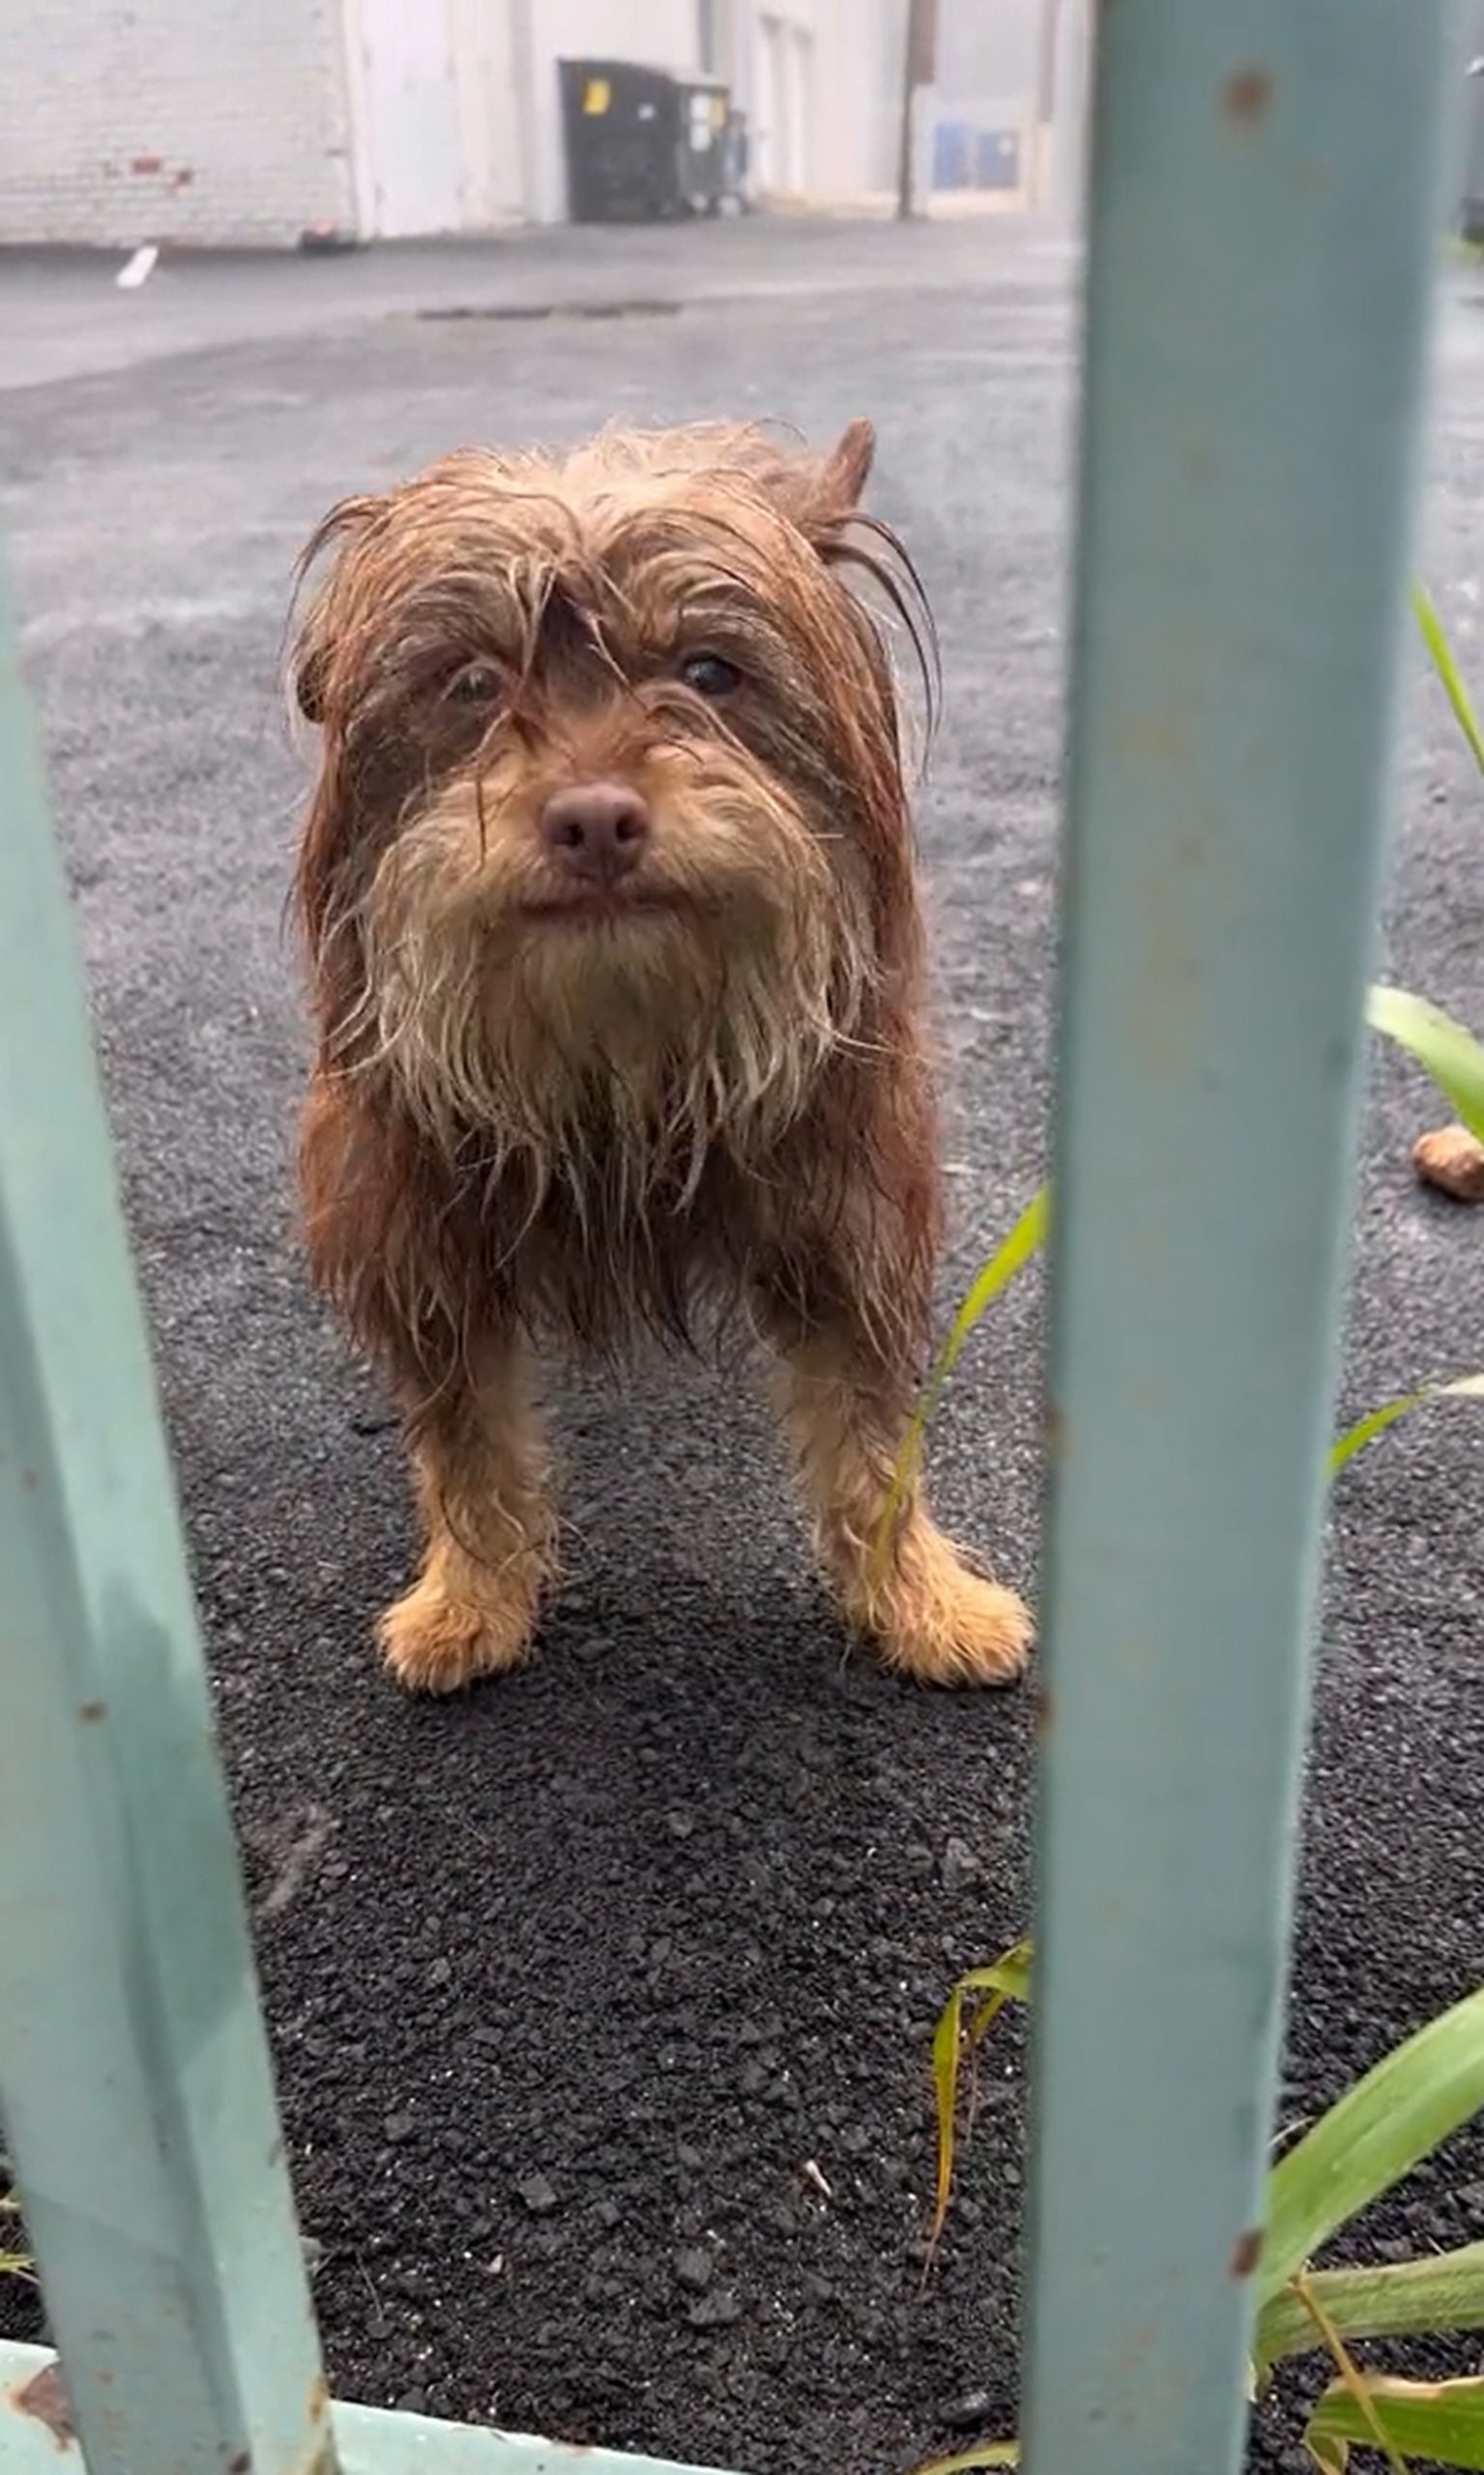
<point>710,674</point>
<point>477,684</point>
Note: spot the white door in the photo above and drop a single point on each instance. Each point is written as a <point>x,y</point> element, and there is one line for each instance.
<point>799,56</point>
<point>413,172</point>
<point>768,137</point>
<point>486,72</point>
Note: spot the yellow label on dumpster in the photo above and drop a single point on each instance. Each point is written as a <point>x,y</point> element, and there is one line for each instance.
<point>597,94</point>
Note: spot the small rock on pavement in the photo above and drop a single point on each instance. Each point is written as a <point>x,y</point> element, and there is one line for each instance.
<point>693,2266</point>
<point>960,1864</point>
<point>715,2311</point>
<point>965,2414</point>
<point>1451,1160</point>
<point>538,2193</point>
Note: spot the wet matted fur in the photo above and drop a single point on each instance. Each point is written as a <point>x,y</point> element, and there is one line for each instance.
<point>609,895</point>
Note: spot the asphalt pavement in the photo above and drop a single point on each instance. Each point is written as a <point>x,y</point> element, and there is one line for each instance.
<point>602,1998</point>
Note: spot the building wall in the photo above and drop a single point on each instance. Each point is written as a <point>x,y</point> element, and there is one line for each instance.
<point>249,122</point>
<point>821,82</point>
<point>124,120</point>
<point>988,48</point>
<point>863,58</point>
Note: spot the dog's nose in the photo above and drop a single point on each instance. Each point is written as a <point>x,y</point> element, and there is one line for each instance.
<point>598,830</point>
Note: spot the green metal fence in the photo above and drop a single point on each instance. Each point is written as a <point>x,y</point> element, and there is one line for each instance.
<point>1266,202</point>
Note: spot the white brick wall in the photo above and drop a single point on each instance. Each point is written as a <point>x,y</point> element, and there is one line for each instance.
<point>206,121</point>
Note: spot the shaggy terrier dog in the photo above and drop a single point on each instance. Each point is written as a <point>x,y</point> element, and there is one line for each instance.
<point>614,928</point>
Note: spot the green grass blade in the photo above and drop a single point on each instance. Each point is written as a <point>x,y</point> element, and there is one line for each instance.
<point>990,2453</point>
<point>1434,638</point>
<point>1439,2420</point>
<point>1449,1054</point>
<point>1013,1252</point>
<point>1372,2135</point>
<point>1445,2291</point>
<point>1345,1446</point>
<point>1007,1979</point>
<point>947,2060</point>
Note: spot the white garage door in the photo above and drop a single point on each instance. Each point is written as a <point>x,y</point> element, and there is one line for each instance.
<point>412,173</point>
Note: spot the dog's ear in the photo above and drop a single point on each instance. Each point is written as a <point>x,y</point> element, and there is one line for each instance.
<point>846,471</point>
<point>307,667</point>
<point>312,653</point>
<point>860,549</point>
<point>822,494</point>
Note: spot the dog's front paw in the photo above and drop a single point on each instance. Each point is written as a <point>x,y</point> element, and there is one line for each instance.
<point>435,1643</point>
<point>939,1622</point>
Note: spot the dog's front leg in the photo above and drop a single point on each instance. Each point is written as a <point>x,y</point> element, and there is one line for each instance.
<point>846,1404</point>
<point>480,1472</point>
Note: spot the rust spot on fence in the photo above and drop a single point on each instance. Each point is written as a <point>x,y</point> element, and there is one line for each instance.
<point>1157,738</point>
<point>1054,1428</point>
<point>147,165</point>
<point>322,2460</point>
<point>1044,1713</point>
<point>1247,95</point>
<point>44,2397</point>
<point>92,1710</point>
<point>1246,2251</point>
<point>240,2462</point>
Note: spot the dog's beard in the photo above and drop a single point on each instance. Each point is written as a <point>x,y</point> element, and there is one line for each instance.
<point>610,1057</point>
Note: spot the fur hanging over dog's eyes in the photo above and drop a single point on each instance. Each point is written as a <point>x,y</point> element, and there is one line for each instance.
<point>515,563</point>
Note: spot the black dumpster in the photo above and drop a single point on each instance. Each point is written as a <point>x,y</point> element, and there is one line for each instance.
<point>644,147</point>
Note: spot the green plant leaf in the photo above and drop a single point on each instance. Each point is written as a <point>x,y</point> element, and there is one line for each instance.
<point>1010,1976</point>
<point>1007,1979</point>
<point>1441,2292</point>
<point>1450,1054</point>
<point>1371,2136</point>
<point>1439,2420</point>
<point>1013,1252</point>
<point>1351,2379</point>
<point>990,2453</point>
<point>1375,1421</point>
<point>1434,638</point>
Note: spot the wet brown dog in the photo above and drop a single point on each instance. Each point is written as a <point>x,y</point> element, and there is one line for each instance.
<point>609,895</point>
